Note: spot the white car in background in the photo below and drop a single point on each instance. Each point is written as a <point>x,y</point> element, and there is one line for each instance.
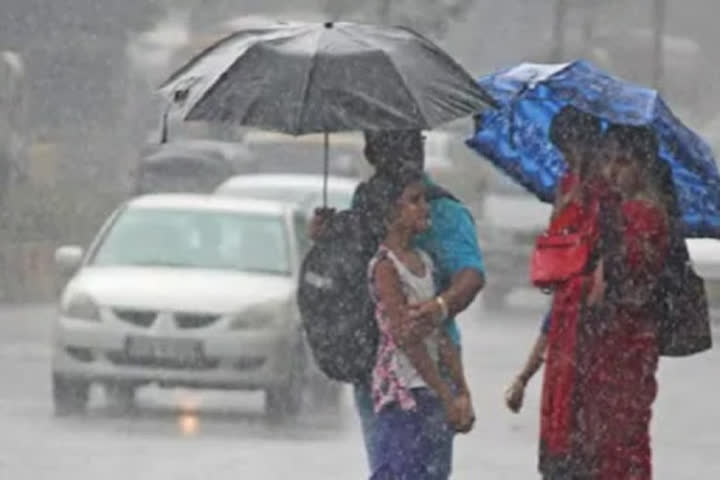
<point>186,290</point>
<point>304,190</point>
<point>705,255</point>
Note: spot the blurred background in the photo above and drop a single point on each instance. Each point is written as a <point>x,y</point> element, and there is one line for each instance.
<point>79,122</point>
<point>78,78</point>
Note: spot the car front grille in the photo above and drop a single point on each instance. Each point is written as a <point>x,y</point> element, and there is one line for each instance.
<point>195,320</point>
<point>139,318</point>
<point>120,358</point>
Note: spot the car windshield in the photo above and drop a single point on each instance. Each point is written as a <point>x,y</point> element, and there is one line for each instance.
<point>307,197</point>
<point>197,239</point>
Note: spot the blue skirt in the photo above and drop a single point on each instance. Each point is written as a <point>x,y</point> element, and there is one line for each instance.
<point>413,444</point>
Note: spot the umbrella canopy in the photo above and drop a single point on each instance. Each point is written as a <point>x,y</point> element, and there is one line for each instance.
<point>515,137</point>
<point>311,78</point>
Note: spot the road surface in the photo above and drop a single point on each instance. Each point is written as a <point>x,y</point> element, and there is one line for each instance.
<point>186,435</point>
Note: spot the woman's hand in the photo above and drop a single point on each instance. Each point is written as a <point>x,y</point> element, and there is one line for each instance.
<point>514,395</point>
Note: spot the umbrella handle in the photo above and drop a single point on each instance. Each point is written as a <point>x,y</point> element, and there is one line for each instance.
<point>164,126</point>
<point>326,167</point>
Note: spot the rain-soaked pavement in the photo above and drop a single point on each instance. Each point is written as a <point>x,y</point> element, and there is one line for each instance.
<point>186,435</point>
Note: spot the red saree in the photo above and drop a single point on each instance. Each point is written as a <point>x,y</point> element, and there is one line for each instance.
<point>560,375</point>
<point>600,371</point>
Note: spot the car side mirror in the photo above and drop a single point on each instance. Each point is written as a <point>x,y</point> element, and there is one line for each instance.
<point>68,259</point>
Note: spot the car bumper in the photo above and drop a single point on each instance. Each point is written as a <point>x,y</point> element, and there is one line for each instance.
<point>247,360</point>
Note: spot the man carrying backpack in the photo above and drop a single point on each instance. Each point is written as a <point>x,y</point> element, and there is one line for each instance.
<point>451,240</point>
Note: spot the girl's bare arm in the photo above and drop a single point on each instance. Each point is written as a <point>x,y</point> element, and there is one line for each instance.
<point>451,359</point>
<point>389,292</point>
<point>462,415</point>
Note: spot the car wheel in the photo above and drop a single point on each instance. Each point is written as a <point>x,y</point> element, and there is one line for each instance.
<point>121,397</point>
<point>70,395</point>
<point>286,400</point>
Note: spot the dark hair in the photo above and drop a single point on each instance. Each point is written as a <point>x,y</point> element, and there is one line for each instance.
<point>642,145</point>
<point>666,186</point>
<point>572,126</point>
<point>389,150</point>
<point>639,141</point>
<point>382,193</point>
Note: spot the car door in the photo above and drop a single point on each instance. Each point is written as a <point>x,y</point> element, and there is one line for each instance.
<point>300,229</point>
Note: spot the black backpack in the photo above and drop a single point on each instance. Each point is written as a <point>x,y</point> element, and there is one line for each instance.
<point>335,305</point>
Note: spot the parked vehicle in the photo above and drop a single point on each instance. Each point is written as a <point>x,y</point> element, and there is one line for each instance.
<point>188,166</point>
<point>447,160</point>
<point>300,189</point>
<point>705,255</point>
<point>279,153</point>
<point>186,290</point>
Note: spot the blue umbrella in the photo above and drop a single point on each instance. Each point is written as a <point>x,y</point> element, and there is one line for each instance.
<point>515,136</point>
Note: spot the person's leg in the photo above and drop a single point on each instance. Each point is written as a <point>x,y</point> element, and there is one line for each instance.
<point>401,449</point>
<point>631,386</point>
<point>437,435</point>
<point>368,421</point>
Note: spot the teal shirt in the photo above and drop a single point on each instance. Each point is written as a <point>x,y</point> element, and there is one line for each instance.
<point>452,242</point>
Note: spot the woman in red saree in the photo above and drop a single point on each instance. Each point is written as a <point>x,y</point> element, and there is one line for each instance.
<point>575,134</point>
<point>602,346</point>
<point>576,211</point>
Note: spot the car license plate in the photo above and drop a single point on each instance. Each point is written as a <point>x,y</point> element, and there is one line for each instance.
<point>164,348</point>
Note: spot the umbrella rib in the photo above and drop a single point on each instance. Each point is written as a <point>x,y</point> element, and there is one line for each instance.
<point>216,85</point>
<point>189,66</point>
<point>426,42</point>
<point>194,60</point>
<point>306,87</point>
<point>370,43</point>
<point>407,89</point>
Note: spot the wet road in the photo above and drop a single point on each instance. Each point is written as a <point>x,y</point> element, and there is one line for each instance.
<point>186,435</point>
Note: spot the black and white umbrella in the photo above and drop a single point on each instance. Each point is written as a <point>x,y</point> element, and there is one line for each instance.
<point>325,77</point>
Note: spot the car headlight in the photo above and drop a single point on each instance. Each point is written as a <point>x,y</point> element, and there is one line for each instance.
<point>82,307</point>
<point>259,317</point>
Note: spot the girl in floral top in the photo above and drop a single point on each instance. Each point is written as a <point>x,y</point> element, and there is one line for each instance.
<point>418,407</point>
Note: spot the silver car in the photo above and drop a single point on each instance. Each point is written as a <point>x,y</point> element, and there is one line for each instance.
<point>186,290</point>
<point>304,190</point>
<point>705,255</point>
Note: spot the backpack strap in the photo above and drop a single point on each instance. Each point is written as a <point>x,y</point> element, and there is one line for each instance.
<point>382,253</point>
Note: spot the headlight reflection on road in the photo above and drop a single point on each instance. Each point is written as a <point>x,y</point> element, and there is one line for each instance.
<point>188,419</point>
<point>188,423</point>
